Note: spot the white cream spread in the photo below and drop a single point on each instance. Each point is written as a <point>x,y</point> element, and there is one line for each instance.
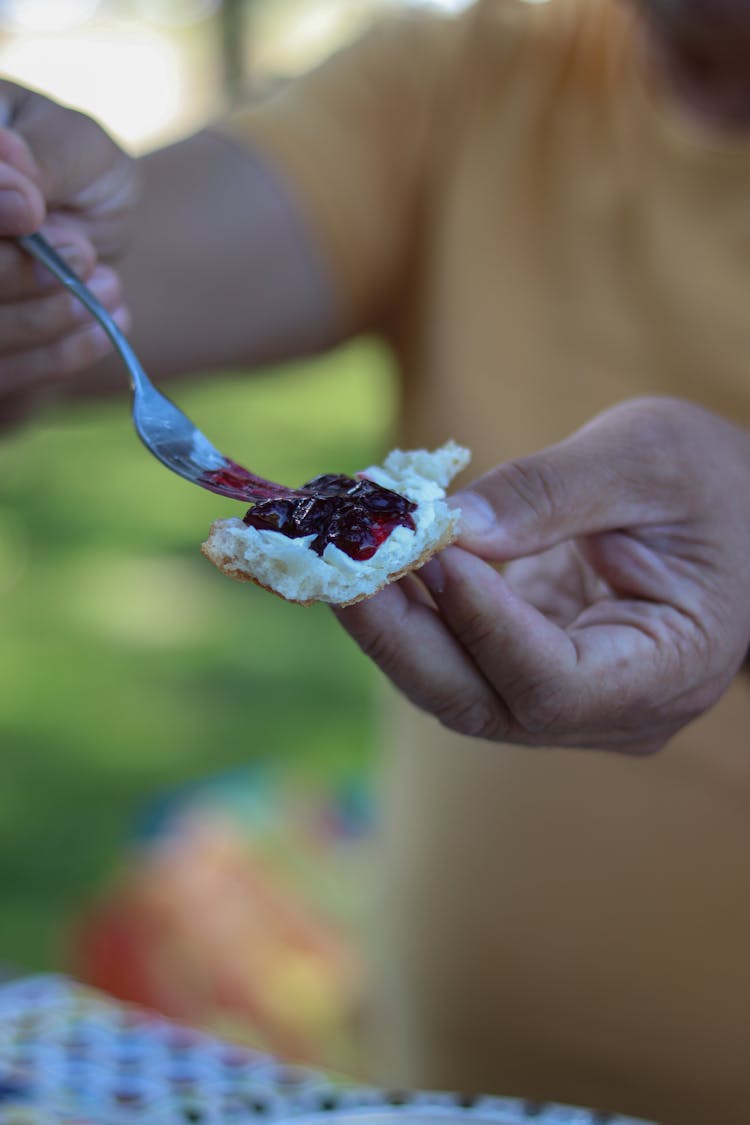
<point>292,569</point>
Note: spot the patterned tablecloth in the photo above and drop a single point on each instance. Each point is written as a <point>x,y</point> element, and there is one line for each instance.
<point>70,1054</point>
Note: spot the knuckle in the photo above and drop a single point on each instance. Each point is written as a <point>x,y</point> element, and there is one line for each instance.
<point>542,708</point>
<point>80,349</point>
<point>10,259</point>
<point>75,123</point>
<point>647,420</point>
<point>58,314</point>
<point>40,320</point>
<point>377,645</point>
<point>28,319</point>
<point>474,631</point>
<point>57,360</point>
<point>648,424</point>
<point>475,717</point>
<point>535,482</point>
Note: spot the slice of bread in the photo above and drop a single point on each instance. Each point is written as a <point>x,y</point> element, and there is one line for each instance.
<point>291,569</point>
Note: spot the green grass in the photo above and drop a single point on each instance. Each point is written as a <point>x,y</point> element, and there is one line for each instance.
<point>129,665</point>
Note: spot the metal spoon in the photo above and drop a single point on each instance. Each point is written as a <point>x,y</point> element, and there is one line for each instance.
<point>164,430</point>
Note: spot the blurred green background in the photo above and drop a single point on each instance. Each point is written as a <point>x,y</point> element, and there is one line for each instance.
<point>132,666</point>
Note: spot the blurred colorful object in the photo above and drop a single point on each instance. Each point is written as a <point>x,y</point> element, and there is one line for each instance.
<point>238,910</point>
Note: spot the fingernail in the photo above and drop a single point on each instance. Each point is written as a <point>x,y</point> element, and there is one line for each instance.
<point>433,575</point>
<point>477,515</point>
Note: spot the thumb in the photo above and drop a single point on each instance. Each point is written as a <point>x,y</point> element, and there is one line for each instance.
<point>608,476</point>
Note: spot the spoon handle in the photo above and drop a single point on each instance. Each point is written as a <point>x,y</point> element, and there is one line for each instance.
<point>39,248</point>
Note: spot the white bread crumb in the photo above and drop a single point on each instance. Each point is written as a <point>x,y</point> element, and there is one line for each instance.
<point>291,569</point>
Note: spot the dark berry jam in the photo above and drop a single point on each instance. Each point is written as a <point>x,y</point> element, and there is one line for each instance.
<point>354,515</point>
<point>232,480</point>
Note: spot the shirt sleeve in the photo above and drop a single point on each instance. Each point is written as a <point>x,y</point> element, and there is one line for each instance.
<point>351,141</point>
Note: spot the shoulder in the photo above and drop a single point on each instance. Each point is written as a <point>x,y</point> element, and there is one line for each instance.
<point>545,53</point>
<point>559,29</point>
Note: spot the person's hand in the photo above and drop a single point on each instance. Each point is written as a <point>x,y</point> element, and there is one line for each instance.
<point>626,612</point>
<point>61,173</point>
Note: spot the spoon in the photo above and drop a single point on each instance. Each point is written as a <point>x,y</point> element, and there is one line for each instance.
<point>162,427</point>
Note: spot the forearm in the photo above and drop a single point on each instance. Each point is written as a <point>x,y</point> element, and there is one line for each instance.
<point>220,271</point>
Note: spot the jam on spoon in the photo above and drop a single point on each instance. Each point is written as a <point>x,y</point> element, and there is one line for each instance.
<point>355,515</point>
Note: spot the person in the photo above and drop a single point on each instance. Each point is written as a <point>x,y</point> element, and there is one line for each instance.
<point>543,210</point>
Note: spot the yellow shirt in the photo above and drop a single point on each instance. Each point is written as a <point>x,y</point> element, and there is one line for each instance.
<point>510,200</point>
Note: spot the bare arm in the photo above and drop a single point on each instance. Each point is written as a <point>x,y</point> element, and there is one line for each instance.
<point>198,249</point>
<point>220,270</point>
<point>204,250</point>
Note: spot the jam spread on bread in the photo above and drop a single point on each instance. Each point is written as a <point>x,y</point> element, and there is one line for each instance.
<point>354,515</point>
<point>359,515</point>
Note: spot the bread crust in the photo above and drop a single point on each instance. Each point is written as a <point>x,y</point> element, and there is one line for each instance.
<point>420,475</point>
<point>227,565</point>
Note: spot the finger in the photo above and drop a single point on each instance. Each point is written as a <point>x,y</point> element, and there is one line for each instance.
<point>416,591</point>
<point>61,359</point>
<point>15,151</point>
<point>528,660</point>
<point>608,680</point>
<point>41,320</point>
<point>22,203</point>
<point>22,277</point>
<point>626,468</point>
<point>411,645</point>
<point>22,194</point>
<point>71,240</point>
